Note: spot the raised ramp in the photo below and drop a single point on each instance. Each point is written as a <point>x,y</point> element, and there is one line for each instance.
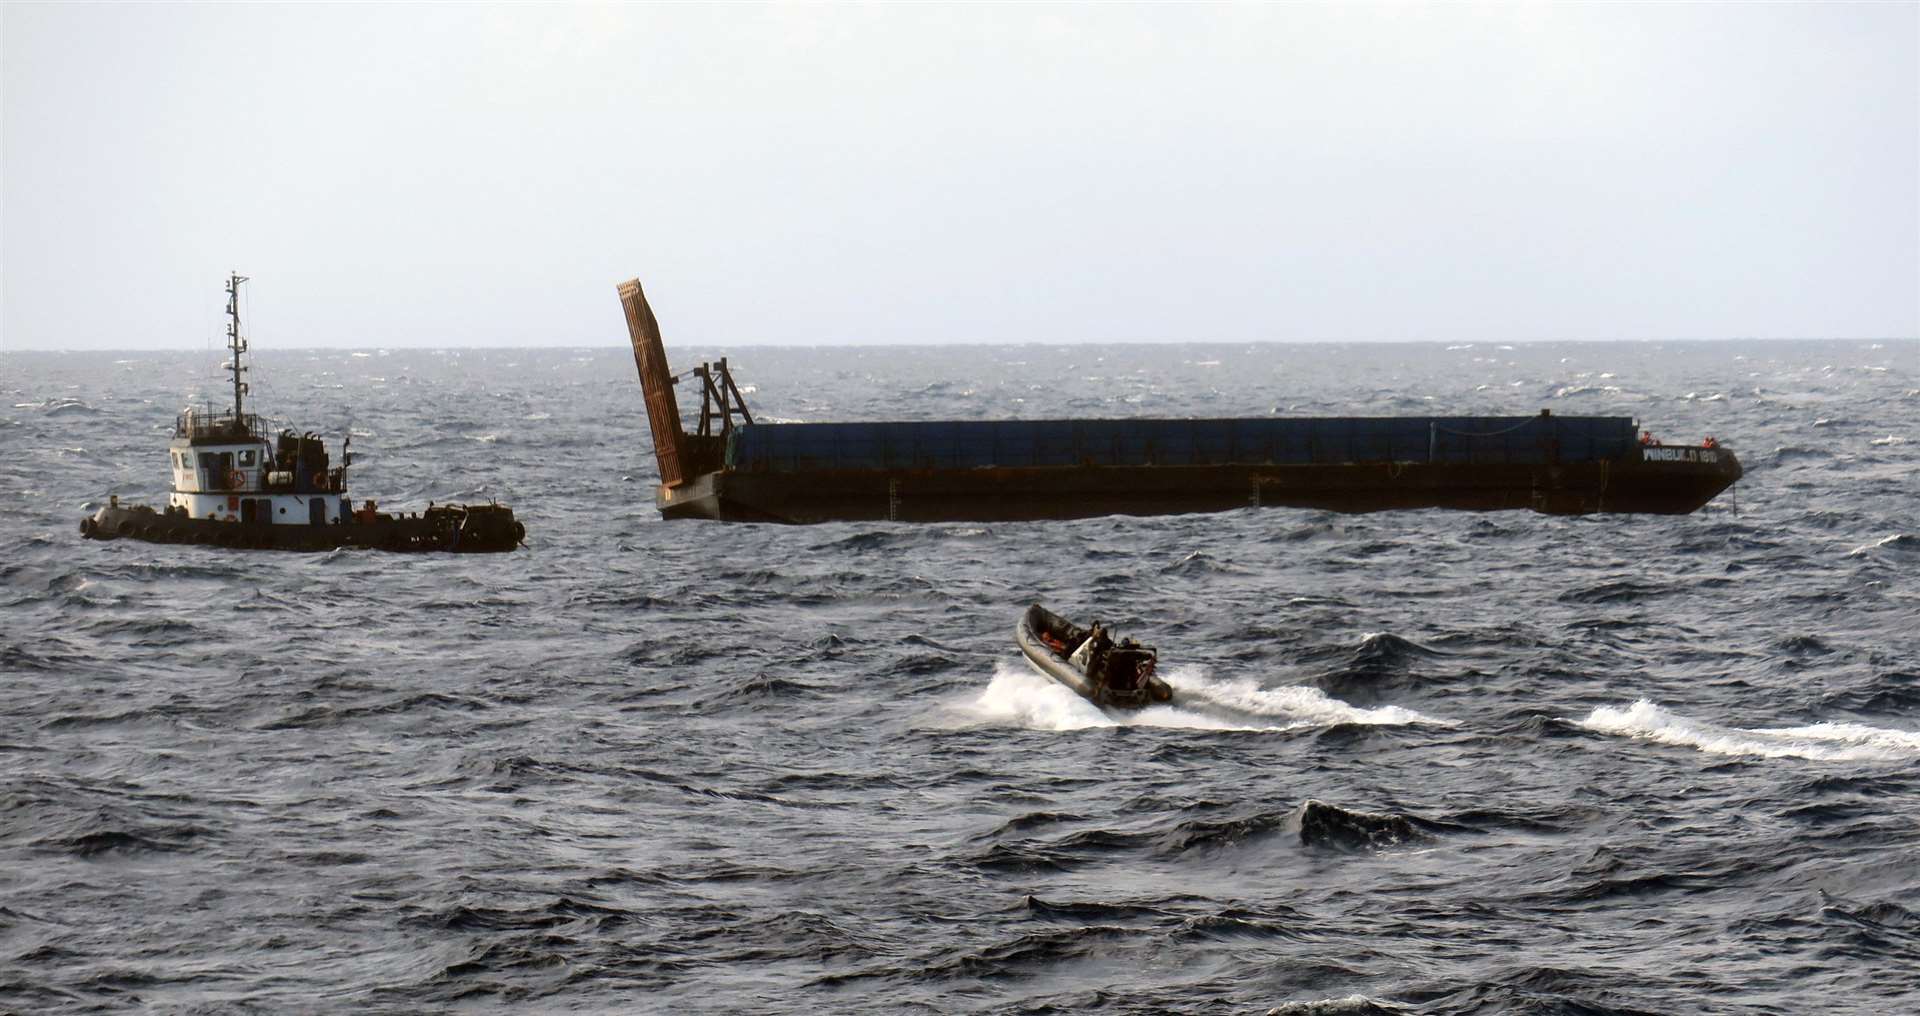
<point>656,382</point>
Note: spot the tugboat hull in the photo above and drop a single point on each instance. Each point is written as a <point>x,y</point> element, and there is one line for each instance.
<point>474,529</point>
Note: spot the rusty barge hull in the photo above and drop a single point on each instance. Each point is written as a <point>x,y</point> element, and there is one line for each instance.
<point>733,469</point>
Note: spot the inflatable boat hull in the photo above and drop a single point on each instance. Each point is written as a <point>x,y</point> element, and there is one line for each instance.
<point>1029,634</point>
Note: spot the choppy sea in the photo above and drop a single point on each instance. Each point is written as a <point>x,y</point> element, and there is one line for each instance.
<point>1421,762</point>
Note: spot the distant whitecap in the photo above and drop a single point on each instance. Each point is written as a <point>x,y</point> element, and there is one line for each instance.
<point>1819,742</point>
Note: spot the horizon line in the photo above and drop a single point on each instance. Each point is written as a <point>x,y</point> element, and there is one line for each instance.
<point>1446,343</point>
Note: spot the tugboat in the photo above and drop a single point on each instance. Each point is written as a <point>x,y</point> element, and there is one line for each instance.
<point>237,485</point>
<point>1088,661</point>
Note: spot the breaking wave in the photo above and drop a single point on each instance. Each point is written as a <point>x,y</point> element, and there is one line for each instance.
<point>1819,742</point>
<point>1333,827</point>
<point>1350,1005</point>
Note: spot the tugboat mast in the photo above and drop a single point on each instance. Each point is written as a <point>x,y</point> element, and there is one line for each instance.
<point>235,342</point>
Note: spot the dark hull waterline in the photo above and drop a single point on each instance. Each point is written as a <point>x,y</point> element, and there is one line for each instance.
<point>1012,494</point>
<point>454,529</point>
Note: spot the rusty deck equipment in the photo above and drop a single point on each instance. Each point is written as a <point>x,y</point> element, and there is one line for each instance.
<point>731,468</point>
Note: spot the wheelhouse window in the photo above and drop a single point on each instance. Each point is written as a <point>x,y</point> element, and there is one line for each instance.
<point>246,458</point>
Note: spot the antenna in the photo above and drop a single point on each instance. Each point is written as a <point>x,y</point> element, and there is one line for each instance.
<point>235,341</point>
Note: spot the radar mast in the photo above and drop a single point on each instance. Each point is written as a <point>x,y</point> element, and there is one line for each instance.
<point>235,341</point>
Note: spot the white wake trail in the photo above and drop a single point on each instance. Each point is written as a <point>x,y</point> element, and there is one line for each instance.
<point>1018,696</point>
<point>1819,742</point>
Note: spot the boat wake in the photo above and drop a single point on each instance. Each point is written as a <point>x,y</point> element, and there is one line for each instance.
<point>1017,696</point>
<point>1819,742</point>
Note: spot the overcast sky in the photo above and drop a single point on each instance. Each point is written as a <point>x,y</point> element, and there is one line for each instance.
<point>395,175</point>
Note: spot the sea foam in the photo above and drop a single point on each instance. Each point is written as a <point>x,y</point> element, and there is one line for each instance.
<point>1017,696</point>
<point>1820,742</point>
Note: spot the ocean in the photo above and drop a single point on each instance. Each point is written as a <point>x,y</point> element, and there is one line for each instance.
<point>1418,762</point>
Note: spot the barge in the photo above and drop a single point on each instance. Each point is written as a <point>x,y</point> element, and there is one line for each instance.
<point>734,469</point>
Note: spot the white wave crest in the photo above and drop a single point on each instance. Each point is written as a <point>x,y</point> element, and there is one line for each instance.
<point>1017,696</point>
<point>1820,742</point>
<point>1335,1007</point>
<point>1898,541</point>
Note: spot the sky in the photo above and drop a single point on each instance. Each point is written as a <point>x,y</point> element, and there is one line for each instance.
<point>436,175</point>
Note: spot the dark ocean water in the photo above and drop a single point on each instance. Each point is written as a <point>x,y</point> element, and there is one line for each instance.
<point>1419,762</point>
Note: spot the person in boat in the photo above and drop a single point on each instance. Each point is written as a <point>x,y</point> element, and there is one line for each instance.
<point>1084,648</point>
<point>1134,668</point>
<point>1091,657</point>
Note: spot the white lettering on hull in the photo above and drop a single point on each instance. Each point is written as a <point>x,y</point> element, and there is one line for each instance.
<point>1679,455</point>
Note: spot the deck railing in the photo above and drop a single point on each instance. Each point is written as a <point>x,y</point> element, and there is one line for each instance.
<point>205,426</point>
